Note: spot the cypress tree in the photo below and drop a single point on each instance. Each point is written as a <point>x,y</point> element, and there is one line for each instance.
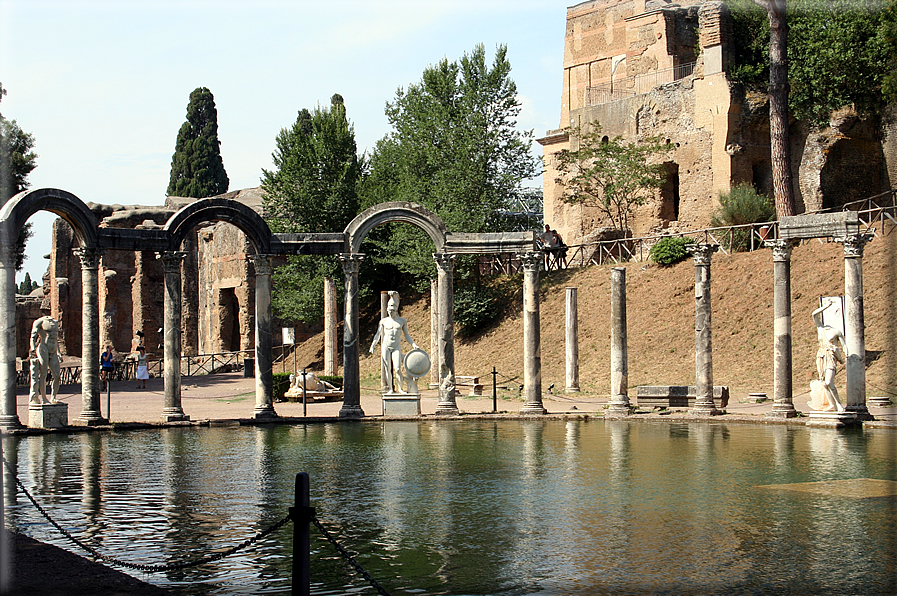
<point>196,166</point>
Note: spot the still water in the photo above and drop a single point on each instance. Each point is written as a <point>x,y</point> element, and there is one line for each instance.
<point>479,507</point>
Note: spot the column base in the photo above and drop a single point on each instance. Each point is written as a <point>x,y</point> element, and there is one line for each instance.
<point>88,418</point>
<point>782,411</point>
<point>351,412</point>
<point>617,409</point>
<point>265,412</point>
<point>533,410</point>
<point>880,402</point>
<point>10,422</point>
<point>705,410</point>
<point>447,409</point>
<point>861,411</point>
<point>174,415</point>
<point>571,390</point>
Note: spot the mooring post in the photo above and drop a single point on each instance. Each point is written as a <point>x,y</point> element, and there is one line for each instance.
<point>301,515</point>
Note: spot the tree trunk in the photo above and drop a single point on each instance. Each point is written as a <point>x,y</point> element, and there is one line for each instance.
<point>780,145</point>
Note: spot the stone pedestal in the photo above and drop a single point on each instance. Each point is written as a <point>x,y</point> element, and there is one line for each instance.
<point>401,404</point>
<point>832,419</point>
<point>55,415</point>
<point>881,402</point>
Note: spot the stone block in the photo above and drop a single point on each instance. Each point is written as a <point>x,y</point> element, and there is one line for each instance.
<point>819,225</point>
<point>55,415</point>
<point>398,404</point>
<point>677,396</point>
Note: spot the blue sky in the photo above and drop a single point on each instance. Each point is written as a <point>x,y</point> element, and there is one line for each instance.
<point>103,85</point>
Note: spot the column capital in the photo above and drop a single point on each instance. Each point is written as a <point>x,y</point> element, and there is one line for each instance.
<point>351,262</point>
<point>262,264</point>
<point>90,256</point>
<point>702,252</point>
<point>532,261</point>
<point>854,244</point>
<point>171,260</point>
<point>444,261</point>
<point>781,249</point>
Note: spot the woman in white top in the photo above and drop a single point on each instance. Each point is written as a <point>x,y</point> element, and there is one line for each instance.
<point>142,371</point>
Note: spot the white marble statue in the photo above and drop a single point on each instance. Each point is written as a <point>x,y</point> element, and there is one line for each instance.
<point>389,334</point>
<point>45,358</point>
<point>832,349</point>
<point>312,383</point>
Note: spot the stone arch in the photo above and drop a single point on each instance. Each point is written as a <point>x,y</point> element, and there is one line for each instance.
<point>383,213</point>
<point>18,209</point>
<point>210,210</point>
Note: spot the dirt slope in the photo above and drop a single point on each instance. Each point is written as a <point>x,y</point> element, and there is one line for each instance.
<point>660,309</point>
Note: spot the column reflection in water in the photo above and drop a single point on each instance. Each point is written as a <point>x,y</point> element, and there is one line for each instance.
<point>91,448</point>
<point>10,488</point>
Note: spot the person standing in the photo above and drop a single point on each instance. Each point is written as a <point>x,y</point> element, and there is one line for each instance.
<point>142,370</point>
<point>107,365</point>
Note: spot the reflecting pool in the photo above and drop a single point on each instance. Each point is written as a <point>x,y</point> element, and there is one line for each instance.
<point>482,507</point>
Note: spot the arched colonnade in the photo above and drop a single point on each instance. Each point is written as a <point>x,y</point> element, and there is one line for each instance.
<point>94,240</point>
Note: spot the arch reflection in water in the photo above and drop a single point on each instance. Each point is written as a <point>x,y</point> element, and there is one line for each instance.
<point>480,507</point>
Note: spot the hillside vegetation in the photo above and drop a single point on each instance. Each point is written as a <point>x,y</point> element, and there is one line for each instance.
<point>660,309</point>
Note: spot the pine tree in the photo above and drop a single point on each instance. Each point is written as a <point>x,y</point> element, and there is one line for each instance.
<point>196,166</point>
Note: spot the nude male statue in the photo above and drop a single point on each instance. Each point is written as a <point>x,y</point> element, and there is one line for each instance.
<point>832,347</point>
<point>45,357</point>
<point>389,334</point>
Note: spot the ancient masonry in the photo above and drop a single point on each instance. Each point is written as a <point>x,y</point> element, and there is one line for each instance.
<point>641,68</point>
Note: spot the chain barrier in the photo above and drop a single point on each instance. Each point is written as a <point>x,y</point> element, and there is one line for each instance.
<point>202,560</point>
<point>342,551</point>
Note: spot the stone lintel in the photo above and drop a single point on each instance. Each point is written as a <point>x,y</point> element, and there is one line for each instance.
<point>487,243</point>
<point>819,225</point>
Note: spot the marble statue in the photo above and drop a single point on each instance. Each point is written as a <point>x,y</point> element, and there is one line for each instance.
<point>389,334</point>
<point>45,358</point>
<point>832,349</point>
<point>312,383</point>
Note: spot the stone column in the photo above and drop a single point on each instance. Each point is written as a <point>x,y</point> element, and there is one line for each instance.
<point>783,406</point>
<point>9,417</point>
<point>264,340</point>
<point>331,357</point>
<point>351,263</point>
<point>434,332</point>
<point>171,265</point>
<point>532,351</point>
<point>703,345</point>
<point>572,341</point>
<point>854,324</point>
<point>90,338</point>
<point>619,354</point>
<point>445,264</point>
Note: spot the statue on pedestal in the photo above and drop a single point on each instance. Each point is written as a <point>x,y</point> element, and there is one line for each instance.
<point>389,334</point>
<point>832,348</point>
<point>45,358</point>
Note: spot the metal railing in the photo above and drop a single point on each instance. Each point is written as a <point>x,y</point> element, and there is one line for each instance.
<point>636,85</point>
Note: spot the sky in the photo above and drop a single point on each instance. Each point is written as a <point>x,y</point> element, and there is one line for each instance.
<point>103,86</point>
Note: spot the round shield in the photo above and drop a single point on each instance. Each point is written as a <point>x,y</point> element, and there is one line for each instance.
<point>417,363</point>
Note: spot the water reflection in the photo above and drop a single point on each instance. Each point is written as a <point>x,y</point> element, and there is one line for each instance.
<point>479,507</point>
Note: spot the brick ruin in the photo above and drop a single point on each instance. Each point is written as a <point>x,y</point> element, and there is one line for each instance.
<point>642,68</point>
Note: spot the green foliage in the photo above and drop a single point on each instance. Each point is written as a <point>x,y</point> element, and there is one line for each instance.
<point>740,206</point>
<point>17,161</point>
<point>454,148</point>
<point>475,307</point>
<point>314,188</point>
<point>26,286</point>
<point>670,250</point>
<point>197,169</point>
<point>612,175</point>
<point>281,385</point>
<point>840,53</point>
<point>335,380</point>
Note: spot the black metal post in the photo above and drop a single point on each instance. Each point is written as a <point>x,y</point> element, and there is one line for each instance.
<point>301,515</point>
<point>304,411</point>
<point>494,392</point>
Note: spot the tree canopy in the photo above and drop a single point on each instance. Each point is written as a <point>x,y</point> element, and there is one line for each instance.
<point>313,188</point>
<point>455,149</point>
<point>611,175</point>
<point>17,161</point>
<point>197,169</point>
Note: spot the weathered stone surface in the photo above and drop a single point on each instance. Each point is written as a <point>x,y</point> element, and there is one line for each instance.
<point>55,415</point>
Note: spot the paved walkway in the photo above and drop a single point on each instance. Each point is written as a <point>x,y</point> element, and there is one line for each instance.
<point>230,396</point>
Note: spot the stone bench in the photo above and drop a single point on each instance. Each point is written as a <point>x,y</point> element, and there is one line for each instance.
<point>677,396</point>
<point>476,388</point>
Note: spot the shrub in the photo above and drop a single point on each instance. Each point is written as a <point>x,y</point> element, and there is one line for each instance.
<point>281,385</point>
<point>475,307</point>
<point>670,250</point>
<point>740,206</point>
